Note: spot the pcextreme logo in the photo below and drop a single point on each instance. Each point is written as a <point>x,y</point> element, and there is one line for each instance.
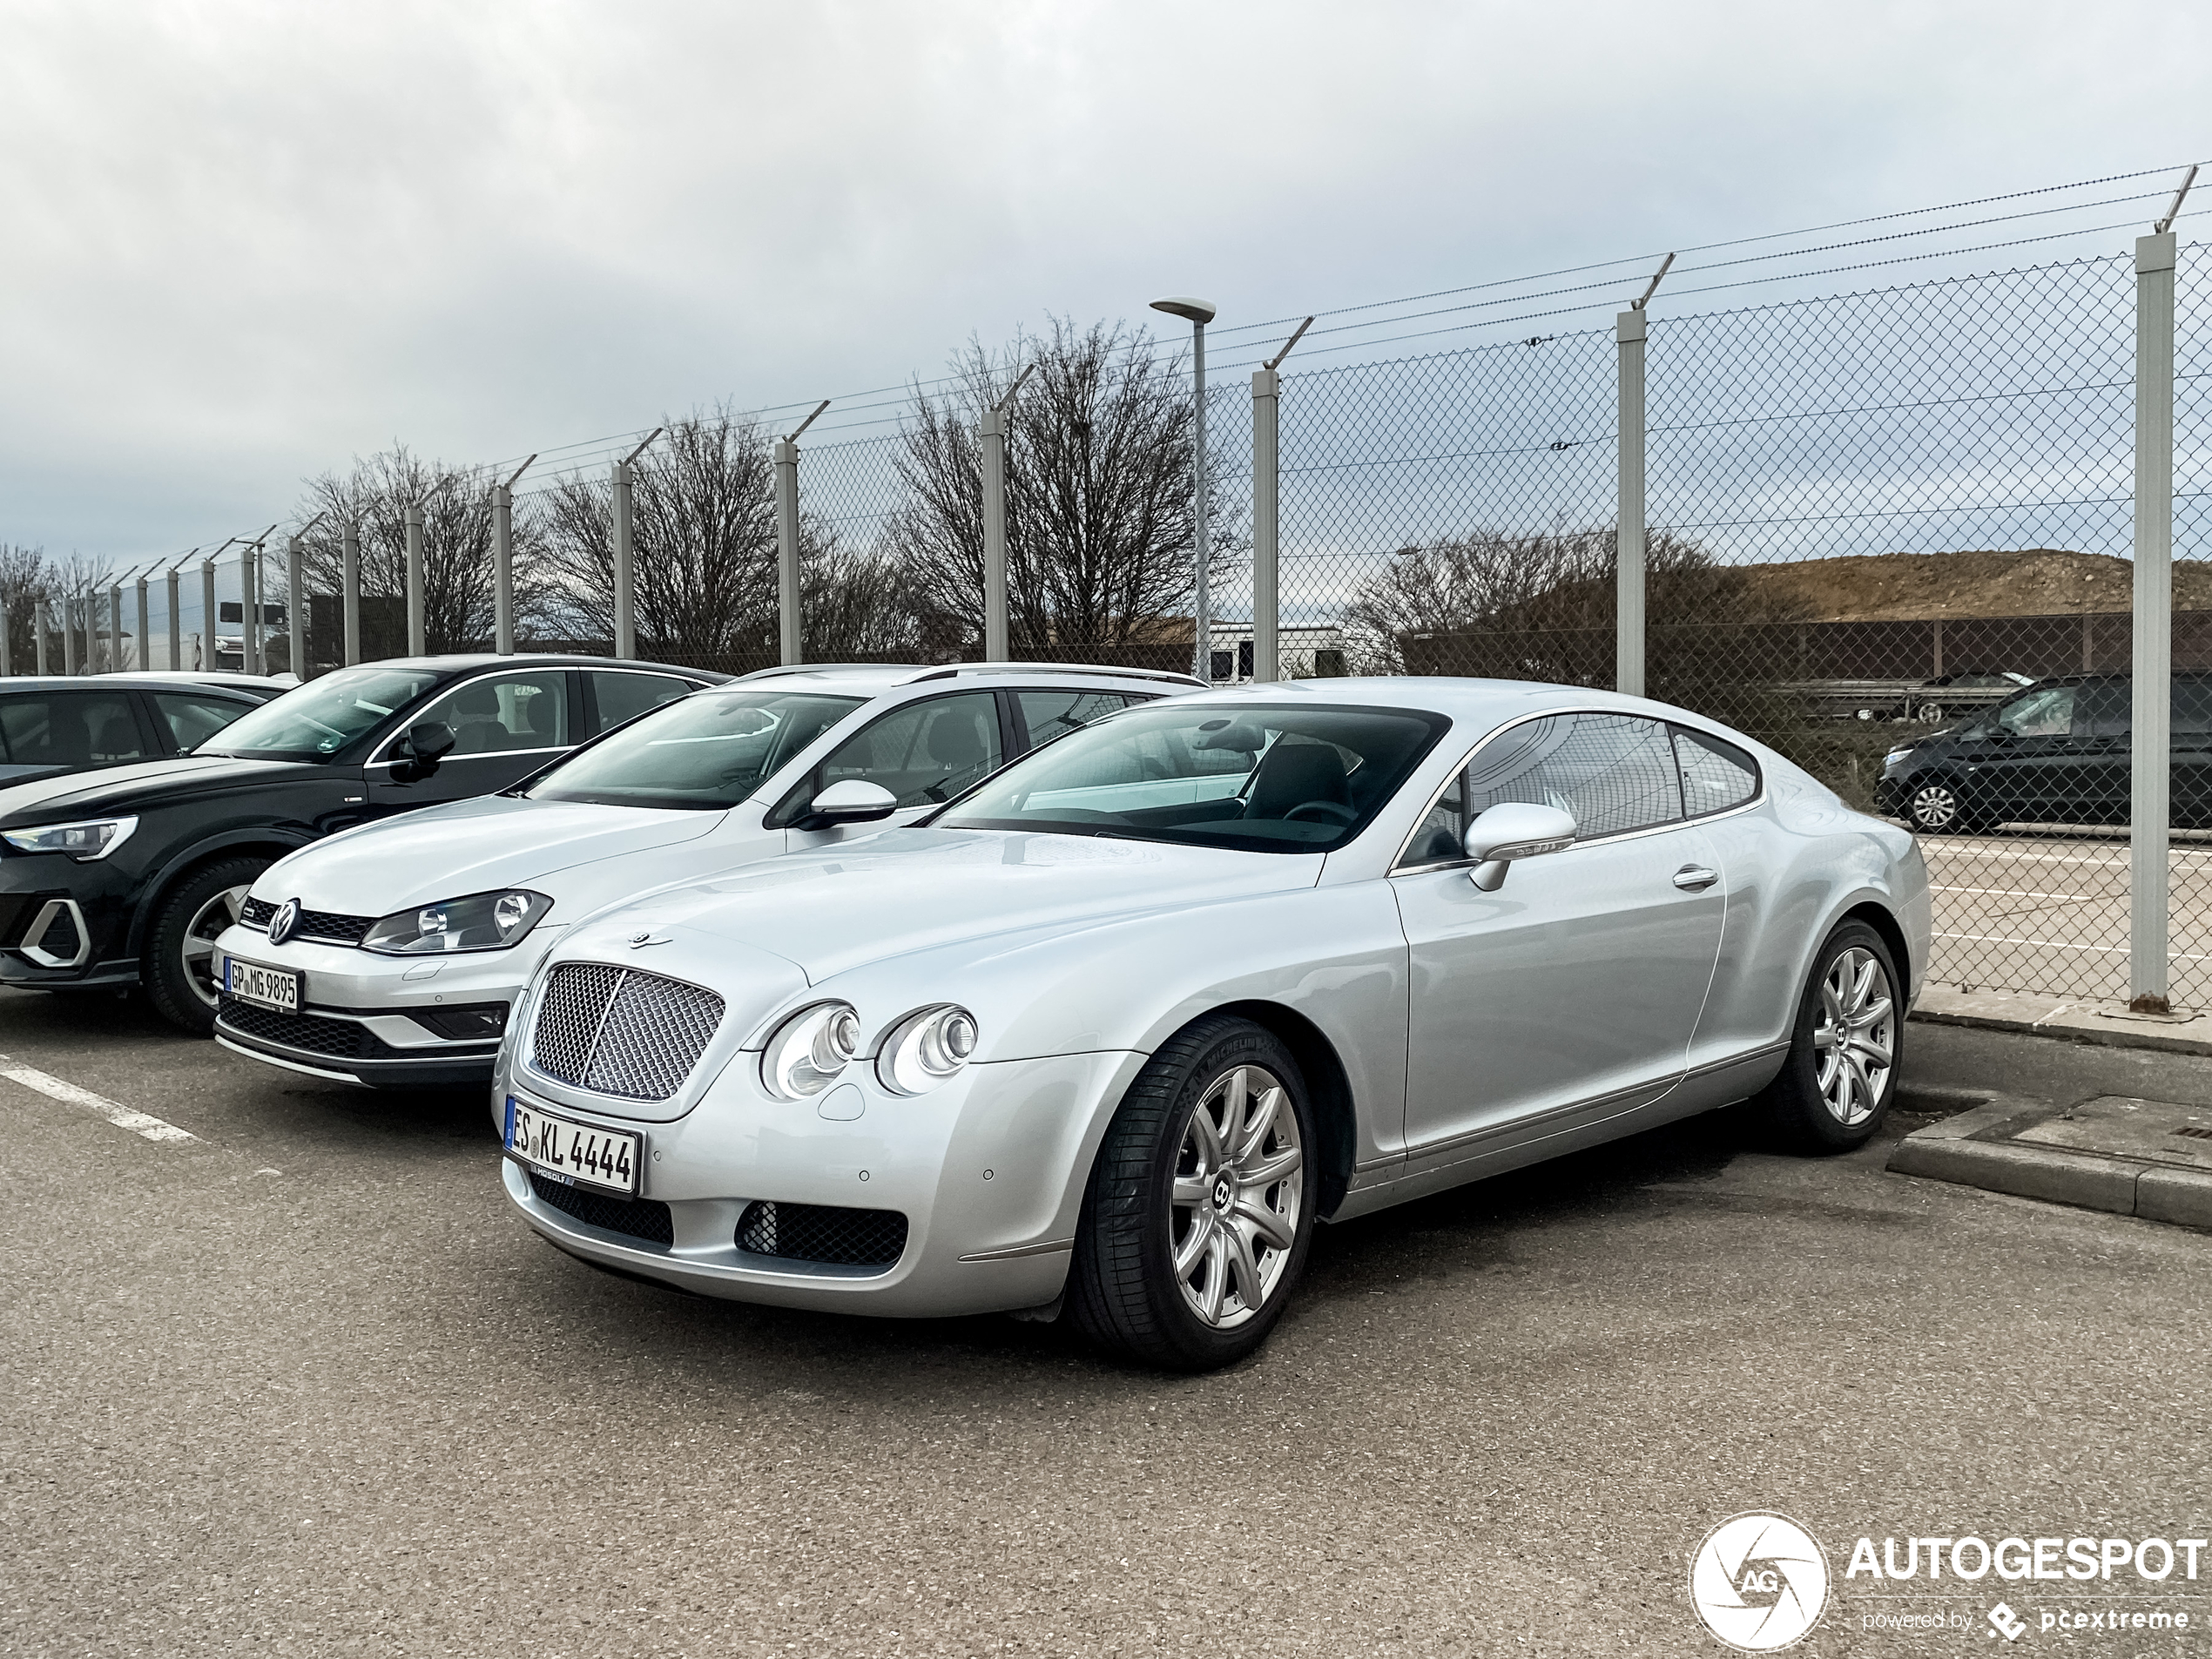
<point>1759,1581</point>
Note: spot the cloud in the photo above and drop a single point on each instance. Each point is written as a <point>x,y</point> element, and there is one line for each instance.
<point>248,241</point>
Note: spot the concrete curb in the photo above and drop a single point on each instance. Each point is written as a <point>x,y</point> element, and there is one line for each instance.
<point>2073,1020</point>
<point>1971,1149</point>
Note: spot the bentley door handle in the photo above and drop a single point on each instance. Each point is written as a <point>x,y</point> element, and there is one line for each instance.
<point>1695,877</point>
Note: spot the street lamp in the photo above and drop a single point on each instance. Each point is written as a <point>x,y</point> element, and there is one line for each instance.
<point>1200,313</point>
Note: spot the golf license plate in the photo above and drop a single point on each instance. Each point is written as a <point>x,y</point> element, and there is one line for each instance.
<point>268,987</point>
<point>575,1152</point>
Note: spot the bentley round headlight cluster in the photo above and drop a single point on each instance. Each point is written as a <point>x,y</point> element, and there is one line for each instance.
<point>926,1047</point>
<point>810,1050</point>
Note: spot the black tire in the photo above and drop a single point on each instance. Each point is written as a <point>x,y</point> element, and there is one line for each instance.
<point>1797,1107</point>
<point>184,910</point>
<point>1124,1292</point>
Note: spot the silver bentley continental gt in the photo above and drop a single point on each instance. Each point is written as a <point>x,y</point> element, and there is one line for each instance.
<point>1105,1037</point>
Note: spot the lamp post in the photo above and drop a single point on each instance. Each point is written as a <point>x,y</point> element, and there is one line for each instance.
<point>1200,313</point>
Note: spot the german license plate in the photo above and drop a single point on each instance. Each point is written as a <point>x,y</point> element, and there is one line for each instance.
<point>271,987</point>
<point>575,1153</point>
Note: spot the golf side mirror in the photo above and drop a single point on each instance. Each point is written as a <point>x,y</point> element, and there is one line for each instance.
<point>1512,830</point>
<point>850,800</point>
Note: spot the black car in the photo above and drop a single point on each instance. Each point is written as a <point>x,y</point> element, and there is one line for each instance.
<point>126,877</point>
<point>2054,753</point>
<point>50,726</point>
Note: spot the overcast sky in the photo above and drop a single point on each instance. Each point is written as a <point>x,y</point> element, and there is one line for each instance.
<point>246,242</point>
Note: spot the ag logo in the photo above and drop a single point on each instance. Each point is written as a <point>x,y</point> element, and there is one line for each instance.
<point>282,923</point>
<point>1758,1582</point>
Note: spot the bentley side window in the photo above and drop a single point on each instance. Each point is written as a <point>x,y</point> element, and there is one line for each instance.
<point>1714,775</point>
<point>1611,772</point>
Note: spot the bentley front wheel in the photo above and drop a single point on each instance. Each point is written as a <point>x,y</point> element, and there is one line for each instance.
<point>1200,1209</point>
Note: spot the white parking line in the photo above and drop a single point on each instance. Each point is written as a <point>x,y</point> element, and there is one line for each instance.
<point>2014,893</point>
<point>2065,944</point>
<point>143,1124</point>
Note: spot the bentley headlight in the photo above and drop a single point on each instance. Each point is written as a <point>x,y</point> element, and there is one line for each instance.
<point>810,1050</point>
<point>926,1046</point>
<point>481,921</point>
<point>95,838</point>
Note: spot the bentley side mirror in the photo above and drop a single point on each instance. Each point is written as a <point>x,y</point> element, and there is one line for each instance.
<point>850,800</point>
<point>418,753</point>
<point>1512,830</point>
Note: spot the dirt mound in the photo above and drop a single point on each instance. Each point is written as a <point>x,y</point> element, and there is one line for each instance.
<point>1902,587</point>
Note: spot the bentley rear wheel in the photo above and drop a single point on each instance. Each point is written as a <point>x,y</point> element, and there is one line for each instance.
<point>1841,1075</point>
<point>1200,1209</point>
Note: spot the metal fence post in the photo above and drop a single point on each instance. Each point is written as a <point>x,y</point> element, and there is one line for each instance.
<point>210,657</point>
<point>1267,387</point>
<point>42,620</point>
<point>417,636</point>
<point>788,631</point>
<point>249,608</point>
<point>176,622</point>
<point>7,651</point>
<point>144,659</point>
<point>115,626</point>
<point>625,568</point>
<point>1628,533</point>
<point>503,573</point>
<point>349,589</point>
<point>68,636</point>
<point>991,435</point>
<point>297,623</point>
<point>2151,760</point>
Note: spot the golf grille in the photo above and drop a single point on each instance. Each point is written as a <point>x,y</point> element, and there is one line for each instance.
<point>327,925</point>
<point>826,1233</point>
<point>305,1033</point>
<point>633,1217</point>
<point>617,1031</point>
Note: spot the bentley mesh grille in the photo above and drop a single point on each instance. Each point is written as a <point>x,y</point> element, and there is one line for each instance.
<point>618,1031</point>
<point>634,1218</point>
<point>820,1232</point>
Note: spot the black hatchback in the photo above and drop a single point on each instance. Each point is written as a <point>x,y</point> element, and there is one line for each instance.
<point>2056,753</point>
<point>125,876</point>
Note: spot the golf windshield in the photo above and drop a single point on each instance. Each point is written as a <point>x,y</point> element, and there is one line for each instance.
<point>708,750</point>
<point>322,717</point>
<point>1268,779</point>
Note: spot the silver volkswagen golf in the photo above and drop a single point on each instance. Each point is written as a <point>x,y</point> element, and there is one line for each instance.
<point>390,954</point>
<point>1107,1036</point>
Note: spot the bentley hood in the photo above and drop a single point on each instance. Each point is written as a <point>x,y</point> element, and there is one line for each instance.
<point>470,847</point>
<point>837,908</point>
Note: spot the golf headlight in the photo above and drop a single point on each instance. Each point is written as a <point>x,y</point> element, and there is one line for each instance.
<point>481,921</point>
<point>95,838</point>
<point>810,1050</point>
<point>926,1047</point>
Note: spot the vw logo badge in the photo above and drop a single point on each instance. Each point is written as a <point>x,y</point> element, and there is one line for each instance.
<point>282,923</point>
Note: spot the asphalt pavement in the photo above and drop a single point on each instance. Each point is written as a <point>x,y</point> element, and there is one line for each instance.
<point>301,1385</point>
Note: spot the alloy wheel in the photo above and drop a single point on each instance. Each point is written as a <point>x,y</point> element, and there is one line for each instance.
<point>1854,1042</point>
<point>1935,807</point>
<point>207,926</point>
<point>1233,1212</point>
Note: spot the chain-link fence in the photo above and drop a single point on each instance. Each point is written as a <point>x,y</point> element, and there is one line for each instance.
<point>1455,515</point>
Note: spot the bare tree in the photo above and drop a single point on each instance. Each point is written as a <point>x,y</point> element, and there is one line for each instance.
<point>1100,452</point>
<point>703,522</point>
<point>702,519</point>
<point>27,582</point>
<point>457,574</point>
<point>1530,604</point>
